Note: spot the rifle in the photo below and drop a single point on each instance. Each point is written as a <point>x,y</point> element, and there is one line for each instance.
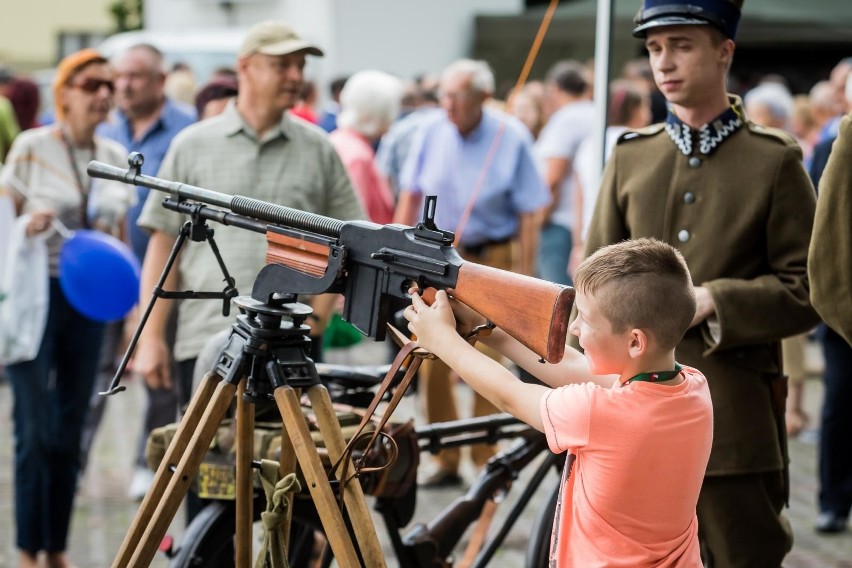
<point>371,265</point>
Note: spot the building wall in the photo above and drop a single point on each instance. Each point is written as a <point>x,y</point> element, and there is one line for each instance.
<point>30,29</point>
<point>406,37</point>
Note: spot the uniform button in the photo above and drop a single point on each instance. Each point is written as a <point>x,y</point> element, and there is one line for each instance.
<point>689,197</point>
<point>683,235</point>
<point>694,162</point>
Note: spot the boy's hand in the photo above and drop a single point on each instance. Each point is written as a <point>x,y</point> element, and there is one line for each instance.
<point>432,323</point>
<point>466,318</point>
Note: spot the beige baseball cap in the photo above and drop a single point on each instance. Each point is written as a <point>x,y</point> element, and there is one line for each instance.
<point>275,38</point>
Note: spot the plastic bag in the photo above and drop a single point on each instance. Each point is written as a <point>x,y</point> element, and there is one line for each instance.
<point>24,295</point>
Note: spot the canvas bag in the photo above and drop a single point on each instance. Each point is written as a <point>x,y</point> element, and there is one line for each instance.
<point>24,294</point>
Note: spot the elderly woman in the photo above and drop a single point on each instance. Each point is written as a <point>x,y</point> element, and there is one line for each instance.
<point>45,174</point>
<point>369,104</point>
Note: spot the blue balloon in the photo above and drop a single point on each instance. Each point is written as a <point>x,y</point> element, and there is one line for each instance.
<point>99,275</point>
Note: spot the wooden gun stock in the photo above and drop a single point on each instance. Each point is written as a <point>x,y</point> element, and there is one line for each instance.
<point>533,311</point>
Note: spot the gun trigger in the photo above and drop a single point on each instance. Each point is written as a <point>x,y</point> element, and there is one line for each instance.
<point>483,330</point>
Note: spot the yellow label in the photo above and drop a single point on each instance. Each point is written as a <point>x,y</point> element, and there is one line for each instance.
<point>217,481</point>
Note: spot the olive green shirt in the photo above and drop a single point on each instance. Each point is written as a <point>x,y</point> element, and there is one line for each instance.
<point>292,165</point>
<point>830,256</point>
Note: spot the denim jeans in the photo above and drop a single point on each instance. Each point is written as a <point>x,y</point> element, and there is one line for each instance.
<point>51,398</point>
<point>554,252</point>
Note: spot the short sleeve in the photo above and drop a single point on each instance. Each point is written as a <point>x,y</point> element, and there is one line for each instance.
<point>15,174</point>
<point>410,173</point>
<point>565,413</point>
<point>561,137</point>
<point>530,192</point>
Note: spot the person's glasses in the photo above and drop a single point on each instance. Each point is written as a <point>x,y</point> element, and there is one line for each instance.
<point>93,85</point>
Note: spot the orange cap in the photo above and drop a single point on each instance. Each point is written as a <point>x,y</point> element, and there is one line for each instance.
<point>67,68</point>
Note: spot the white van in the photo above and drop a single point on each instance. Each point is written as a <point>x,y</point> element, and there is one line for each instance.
<point>203,50</point>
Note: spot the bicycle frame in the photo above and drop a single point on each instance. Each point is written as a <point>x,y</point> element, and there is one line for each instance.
<point>429,545</point>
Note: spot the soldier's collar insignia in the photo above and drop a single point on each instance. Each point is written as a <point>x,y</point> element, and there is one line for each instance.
<point>706,137</point>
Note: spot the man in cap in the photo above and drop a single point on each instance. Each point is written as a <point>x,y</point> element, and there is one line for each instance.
<point>254,148</point>
<point>735,199</point>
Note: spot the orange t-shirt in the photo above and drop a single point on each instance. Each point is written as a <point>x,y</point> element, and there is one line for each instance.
<point>642,451</point>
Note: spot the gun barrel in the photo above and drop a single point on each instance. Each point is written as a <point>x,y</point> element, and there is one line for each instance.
<point>101,170</point>
<point>255,208</point>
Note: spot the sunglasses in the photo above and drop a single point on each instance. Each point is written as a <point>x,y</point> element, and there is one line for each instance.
<point>93,85</point>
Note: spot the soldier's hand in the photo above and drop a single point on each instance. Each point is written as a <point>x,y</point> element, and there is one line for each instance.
<point>704,305</point>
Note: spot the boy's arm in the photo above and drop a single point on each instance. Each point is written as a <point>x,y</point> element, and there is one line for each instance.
<point>573,368</point>
<point>435,328</point>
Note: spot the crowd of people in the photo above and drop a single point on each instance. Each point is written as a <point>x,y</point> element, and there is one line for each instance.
<point>712,197</point>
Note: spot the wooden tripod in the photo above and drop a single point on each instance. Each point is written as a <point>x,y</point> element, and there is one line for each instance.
<point>265,355</point>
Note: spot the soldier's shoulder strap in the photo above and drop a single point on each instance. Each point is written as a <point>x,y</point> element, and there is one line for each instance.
<point>640,133</point>
<point>775,134</point>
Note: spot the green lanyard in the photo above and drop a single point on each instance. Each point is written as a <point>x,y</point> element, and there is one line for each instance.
<point>657,376</point>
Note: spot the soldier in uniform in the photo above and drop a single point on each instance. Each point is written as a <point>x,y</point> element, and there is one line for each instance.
<point>828,264</point>
<point>735,199</point>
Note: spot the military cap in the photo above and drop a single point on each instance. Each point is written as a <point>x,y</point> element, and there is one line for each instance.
<point>723,14</point>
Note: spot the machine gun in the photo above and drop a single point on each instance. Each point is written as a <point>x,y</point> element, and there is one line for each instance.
<point>370,264</point>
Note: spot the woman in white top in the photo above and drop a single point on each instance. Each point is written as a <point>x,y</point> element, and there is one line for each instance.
<point>45,175</point>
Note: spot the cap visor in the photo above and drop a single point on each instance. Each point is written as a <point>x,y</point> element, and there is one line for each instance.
<point>286,47</point>
<point>641,30</point>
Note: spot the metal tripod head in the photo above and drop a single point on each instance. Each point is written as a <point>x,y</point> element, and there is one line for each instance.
<point>269,345</point>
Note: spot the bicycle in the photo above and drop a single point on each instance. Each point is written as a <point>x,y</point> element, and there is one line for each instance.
<point>208,540</point>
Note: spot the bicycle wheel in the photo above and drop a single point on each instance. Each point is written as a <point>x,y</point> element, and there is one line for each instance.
<point>538,549</point>
<point>209,539</point>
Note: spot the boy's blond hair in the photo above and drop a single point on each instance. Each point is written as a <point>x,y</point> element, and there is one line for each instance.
<point>641,283</point>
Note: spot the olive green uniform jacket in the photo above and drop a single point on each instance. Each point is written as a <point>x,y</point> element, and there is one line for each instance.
<point>742,217</point>
<point>830,260</point>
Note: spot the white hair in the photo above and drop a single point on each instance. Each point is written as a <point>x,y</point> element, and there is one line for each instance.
<point>369,102</point>
<point>481,76</point>
<point>775,97</point>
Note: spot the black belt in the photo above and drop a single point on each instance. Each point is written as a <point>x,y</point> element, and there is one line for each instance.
<point>480,248</point>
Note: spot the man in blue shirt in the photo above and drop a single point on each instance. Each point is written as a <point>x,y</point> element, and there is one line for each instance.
<point>479,164</point>
<point>145,121</point>
<point>396,143</point>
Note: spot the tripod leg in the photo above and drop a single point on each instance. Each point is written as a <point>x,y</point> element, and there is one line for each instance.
<point>245,482</point>
<point>164,473</point>
<point>316,478</point>
<point>187,468</point>
<point>353,495</point>
<point>287,464</point>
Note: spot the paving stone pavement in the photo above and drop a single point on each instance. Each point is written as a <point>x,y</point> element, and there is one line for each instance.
<point>103,512</point>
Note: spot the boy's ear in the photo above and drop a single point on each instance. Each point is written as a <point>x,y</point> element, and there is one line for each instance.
<point>638,343</point>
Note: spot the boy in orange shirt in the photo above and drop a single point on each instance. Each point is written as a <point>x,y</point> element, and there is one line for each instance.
<point>639,424</point>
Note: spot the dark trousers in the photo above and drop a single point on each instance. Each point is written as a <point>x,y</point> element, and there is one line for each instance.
<point>835,445</point>
<point>51,400</point>
<point>740,524</point>
<point>162,405</point>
